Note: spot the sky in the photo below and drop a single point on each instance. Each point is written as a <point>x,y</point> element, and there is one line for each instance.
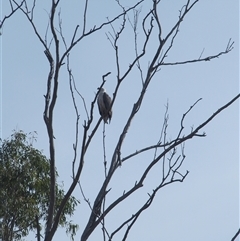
<point>206,205</point>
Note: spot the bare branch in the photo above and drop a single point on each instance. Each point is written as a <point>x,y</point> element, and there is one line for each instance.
<point>75,145</point>
<point>183,117</point>
<point>32,11</point>
<point>158,158</point>
<point>146,205</point>
<point>84,197</point>
<point>136,14</point>
<point>200,59</point>
<point>12,12</point>
<point>74,34</point>
<point>104,152</point>
<point>176,26</point>
<point>26,13</point>
<point>194,132</point>
<point>60,31</point>
<point>85,17</point>
<point>155,14</point>
<point>49,225</point>
<point>94,29</point>
<point>236,235</point>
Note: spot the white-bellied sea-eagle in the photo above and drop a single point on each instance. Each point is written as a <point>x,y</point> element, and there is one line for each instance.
<point>104,105</point>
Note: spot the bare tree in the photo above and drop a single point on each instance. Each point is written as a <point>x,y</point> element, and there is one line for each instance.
<point>170,153</point>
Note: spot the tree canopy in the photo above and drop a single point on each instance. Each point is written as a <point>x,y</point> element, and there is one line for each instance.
<point>24,192</point>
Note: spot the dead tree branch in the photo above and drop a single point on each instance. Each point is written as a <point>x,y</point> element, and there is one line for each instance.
<point>11,13</point>
<point>236,235</point>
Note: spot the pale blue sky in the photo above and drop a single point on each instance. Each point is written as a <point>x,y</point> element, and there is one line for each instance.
<point>206,205</point>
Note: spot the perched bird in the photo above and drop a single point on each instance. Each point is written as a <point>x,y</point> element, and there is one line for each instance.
<point>104,103</point>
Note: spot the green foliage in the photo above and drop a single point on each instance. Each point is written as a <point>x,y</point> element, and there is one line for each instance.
<point>24,189</point>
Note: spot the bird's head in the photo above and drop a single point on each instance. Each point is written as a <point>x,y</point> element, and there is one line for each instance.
<point>101,90</point>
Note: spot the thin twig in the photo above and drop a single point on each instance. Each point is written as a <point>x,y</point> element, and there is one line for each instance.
<point>200,59</point>
<point>12,12</point>
<point>75,145</point>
